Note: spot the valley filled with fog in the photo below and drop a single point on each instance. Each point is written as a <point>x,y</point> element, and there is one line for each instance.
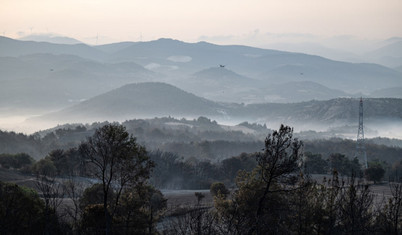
<point>47,84</point>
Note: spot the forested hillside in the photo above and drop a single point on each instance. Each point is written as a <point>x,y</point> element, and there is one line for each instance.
<point>201,139</point>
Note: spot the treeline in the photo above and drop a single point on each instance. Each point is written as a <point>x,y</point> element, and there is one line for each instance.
<point>200,138</point>
<point>348,148</point>
<point>41,144</point>
<point>174,172</point>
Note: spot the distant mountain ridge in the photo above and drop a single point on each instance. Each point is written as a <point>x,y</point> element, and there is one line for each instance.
<point>15,48</point>
<point>52,38</point>
<point>389,55</point>
<point>269,66</point>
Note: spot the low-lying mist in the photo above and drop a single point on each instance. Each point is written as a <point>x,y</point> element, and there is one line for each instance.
<point>372,129</point>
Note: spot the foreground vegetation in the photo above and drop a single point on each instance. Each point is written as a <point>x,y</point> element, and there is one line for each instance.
<point>109,185</point>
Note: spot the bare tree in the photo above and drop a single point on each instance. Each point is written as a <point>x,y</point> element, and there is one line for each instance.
<point>74,189</point>
<point>52,193</point>
<point>194,220</point>
<point>389,218</point>
<point>355,208</point>
<point>115,158</point>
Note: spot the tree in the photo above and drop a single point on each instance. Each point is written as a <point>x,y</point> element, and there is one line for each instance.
<point>16,161</point>
<point>325,205</point>
<point>375,172</point>
<point>51,190</point>
<point>140,210</point>
<point>115,158</point>
<point>277,164</point>
<point>230,167</point>
<point>396,171</point>
<point>74,189</point>
<point>260,201</point>
<point>355,208</point>
<point>52,194</point>
<point>94,195</point>
<point>314,164</point>
<point>344,166</point>
<point>389,219</point>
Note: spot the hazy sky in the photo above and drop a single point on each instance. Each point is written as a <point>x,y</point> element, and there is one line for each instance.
<point>194,20</point>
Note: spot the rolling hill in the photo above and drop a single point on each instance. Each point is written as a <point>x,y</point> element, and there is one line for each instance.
<point>148,100</point>
<point>221,84</point>
<point>138,100</point>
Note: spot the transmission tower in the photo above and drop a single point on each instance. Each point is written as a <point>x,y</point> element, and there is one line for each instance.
<point>360,148</point>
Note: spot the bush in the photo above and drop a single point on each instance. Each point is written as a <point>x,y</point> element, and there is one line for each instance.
<point>16,161</point>
<point>219,189</point>
<point>45,167</point>
<point>21,210</point>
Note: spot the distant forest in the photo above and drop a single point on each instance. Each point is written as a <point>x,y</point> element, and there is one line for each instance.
<point>200,138</point>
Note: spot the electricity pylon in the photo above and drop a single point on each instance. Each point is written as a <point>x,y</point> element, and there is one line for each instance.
<point>360,148</point>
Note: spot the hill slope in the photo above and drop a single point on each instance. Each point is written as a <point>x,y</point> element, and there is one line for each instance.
<point>139,100</point>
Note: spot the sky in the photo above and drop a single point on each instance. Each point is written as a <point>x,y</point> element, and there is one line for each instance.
<point>252,22</point>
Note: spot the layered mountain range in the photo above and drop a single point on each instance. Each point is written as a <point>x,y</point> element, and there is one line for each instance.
<point>33,73</point>
<point>128,80</point>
